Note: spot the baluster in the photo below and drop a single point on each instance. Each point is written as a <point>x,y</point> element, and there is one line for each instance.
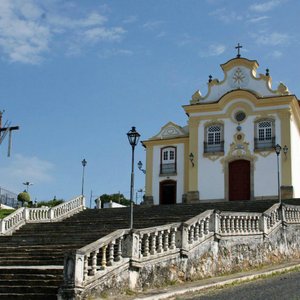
<point>160,244</point>
<point>206,225</point>
<point>197,231</point>
<point>119,251</point>
<point>86,266</point>
<point>94,263</point>
<point>166,240</point>
<point>153,243</point>
<point>191,234</point>
<point>229,224</point>
<point>173,242</point>
<point>103,261</point>
<point>201,228</point>
<point>248,223</point>
<point>111,253</point>
<point>146,246</point>
<point>223,224</point>
<point>257,224</point>
<point>141,245</point>
<point>244,224</point>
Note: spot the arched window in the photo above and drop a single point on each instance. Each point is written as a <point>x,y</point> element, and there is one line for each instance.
<point>264,134</point>
<point>168,160</point>
<point>214,138</point>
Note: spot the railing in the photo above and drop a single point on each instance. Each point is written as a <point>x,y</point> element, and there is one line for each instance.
<point>140,247</point>
<point>8,198</point>
<point>271,219</point>
<point>238,223</point>
<point>197,229</point>
<point>213,148</point>
<point>36,215</point>
<point>291,214</point>
<point>155,241</point>
<point>94,260</point>
<point>168,168</point>
<point>264,144</point>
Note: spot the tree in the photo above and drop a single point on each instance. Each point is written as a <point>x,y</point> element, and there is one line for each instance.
<point>118,198</point>
<point>24,197</point>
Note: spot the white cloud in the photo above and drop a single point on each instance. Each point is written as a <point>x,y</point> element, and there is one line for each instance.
<point>258,19</point>
<point>213,50</point>
<point>226,16</point>
<point>28,30</point>
<point>152,25</point>
<point>266,6</point>
<point>276,54</point>
<point>130,19</point>
<point>23,168</point>
<point>271,39</point>
<point>115,52</point>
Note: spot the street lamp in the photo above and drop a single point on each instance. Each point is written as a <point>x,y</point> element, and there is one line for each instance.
<point>133,138</point>
<point>278,150</point>
<point>27,183</point>
<point>84,162</point>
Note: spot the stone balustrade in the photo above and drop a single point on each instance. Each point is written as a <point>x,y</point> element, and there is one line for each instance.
<point>42,214</point>
<point>238,223</point>
<point>197,229</point>
<point>156,240</point>
<point>12,221</point>
<point>94,260</point>
<point>291,214</point>
<point>141,247</point>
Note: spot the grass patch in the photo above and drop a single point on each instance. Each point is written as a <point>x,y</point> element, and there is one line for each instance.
<point>5,212</point>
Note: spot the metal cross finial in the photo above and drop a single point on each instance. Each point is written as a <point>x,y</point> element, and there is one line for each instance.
<point>238,47</point>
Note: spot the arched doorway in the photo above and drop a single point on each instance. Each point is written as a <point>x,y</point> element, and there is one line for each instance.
<point>167,192</point>
<point>239,180</point>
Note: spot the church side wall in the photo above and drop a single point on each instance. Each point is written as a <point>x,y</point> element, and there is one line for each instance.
<point>179,177</point>
<point>295,157</point>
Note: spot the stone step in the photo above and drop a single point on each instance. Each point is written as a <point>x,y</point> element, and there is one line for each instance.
<point>27,296</point>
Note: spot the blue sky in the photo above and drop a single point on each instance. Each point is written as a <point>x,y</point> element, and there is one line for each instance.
<point>76,75</point>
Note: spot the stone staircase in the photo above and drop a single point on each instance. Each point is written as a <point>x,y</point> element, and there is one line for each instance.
<point>31,260</point>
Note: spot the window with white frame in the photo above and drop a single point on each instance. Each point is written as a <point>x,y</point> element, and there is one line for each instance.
<point>168,160</point>
<point>264,134</point>
<point>214,138</point>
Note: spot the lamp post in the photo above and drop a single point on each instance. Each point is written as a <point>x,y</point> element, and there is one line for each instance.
<point>27,183</point>
<point>133,138</point>
<point>84,162</point>
<point>278,150</point>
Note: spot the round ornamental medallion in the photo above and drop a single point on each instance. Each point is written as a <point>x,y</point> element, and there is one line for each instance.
<point>239,79</point>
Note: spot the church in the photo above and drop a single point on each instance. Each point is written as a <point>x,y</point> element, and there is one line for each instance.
<point>227,150</point>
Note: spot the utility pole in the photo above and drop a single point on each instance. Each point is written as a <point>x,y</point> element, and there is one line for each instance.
<point>7,129</point>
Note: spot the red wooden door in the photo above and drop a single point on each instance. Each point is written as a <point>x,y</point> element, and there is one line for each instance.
<point>168,192</point>
<point>239,180</point>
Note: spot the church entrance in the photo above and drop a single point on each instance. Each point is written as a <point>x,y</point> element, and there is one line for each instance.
<point>239,180</point>
<point>167,192</point>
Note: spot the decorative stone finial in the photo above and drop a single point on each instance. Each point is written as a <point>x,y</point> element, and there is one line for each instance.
<point>209,78</point>
<point>267,72</point>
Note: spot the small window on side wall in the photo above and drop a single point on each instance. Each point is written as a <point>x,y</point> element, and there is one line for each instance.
<point>168,161</point>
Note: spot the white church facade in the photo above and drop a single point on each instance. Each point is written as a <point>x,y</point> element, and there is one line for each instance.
<point>226,152</point>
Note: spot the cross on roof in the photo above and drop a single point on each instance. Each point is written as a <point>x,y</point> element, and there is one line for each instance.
<point>238,47</point>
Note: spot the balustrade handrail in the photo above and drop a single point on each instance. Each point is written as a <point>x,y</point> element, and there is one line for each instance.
<point>237,214</point>
<point>195,219</point>
<point>271,209</point>
<point>34,215</point>
<point>96,245</point>
<point>157,228</point>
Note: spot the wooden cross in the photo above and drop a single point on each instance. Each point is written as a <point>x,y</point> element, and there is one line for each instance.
<point>4,130</point>
<point>238,47</point>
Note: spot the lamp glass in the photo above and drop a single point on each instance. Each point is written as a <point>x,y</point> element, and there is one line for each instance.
<point>133,136</point>
<point>277,149</point>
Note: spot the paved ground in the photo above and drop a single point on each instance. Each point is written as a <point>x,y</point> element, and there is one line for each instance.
<point>279,287</point>
<point>183,291</point>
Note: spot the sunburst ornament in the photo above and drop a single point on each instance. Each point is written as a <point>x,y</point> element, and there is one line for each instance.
<point>239,78</point>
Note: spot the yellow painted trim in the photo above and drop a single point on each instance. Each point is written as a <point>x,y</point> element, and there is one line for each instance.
<point>238,94</point>
<point>166,142</point>
<point>149,171</point>
<point>286,162</point>
<point>193,147</point>
<point>187,165</point>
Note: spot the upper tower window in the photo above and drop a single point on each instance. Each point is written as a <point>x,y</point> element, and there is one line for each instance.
<point>214,139</point>
<point>168,160</point>
<point>264,134</point>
